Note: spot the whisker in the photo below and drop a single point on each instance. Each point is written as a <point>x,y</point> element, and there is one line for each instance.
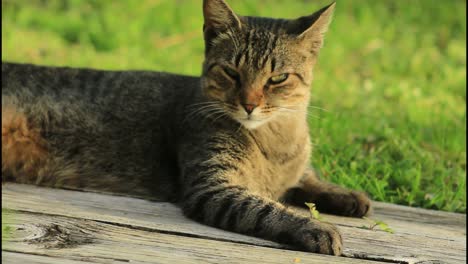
<point>313,116</point>
<point>319,108</point>
<point>239,128</point>
<point>223,114</point>
<point>202,104</point>
<point>289,109</point>
<point>214,112</point>
<point>202,111</point>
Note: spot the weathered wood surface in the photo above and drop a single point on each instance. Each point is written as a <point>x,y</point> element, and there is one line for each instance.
<point>61,226</point>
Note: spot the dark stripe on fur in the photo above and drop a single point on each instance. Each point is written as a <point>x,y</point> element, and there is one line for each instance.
<point>194,209</point>
<point>262,214</point>
<point>226,204</point>
<point>203,186</point>
<point>273,64</point>
<point>238,212</point>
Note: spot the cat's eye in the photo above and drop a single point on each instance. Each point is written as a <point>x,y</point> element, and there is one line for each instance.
<point>231,73</point>
<point>278,78</point>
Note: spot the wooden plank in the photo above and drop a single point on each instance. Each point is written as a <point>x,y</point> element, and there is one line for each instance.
<point>15,258</point>
<point>419,234</point>
<point>57,238</point>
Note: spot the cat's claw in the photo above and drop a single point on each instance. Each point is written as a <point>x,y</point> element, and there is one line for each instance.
<point>362,204</point>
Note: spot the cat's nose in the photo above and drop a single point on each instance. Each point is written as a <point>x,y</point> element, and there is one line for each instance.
<point>249,107</point>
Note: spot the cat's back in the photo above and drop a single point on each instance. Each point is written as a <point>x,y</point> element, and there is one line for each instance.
<point>92,84</point>
<point>125,97</point>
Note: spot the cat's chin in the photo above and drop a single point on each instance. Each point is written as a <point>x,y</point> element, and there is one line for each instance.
<point>252,124</point>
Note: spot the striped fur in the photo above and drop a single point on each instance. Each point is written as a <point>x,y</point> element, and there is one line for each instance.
<point>231,147</point>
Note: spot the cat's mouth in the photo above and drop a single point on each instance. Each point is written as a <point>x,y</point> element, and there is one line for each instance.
<point>252,120</point>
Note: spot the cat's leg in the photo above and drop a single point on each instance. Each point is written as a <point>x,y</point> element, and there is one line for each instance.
<point>328,198</point>
<point>210,199</point>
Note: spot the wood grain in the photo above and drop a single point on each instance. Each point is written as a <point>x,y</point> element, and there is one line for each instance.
<point>16,258</point>
<point>420,235</point>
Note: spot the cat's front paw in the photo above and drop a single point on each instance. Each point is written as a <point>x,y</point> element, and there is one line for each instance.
<point>351,203</point>
<point>320,237</point>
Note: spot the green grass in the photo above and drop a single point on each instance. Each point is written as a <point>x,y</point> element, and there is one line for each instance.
<point>391,77</point>
<point>6,228</point>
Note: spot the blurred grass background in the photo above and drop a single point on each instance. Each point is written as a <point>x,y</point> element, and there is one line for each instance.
<point>391,78</point>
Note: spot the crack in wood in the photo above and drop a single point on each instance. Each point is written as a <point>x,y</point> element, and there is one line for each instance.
<point>374,258</point>
<point>87,259</point>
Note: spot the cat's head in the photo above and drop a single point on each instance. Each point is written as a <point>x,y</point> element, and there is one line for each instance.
<point>256,69</point>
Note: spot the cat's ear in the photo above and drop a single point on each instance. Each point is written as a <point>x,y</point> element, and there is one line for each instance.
<point>311,29</point>
<point>218,18</point>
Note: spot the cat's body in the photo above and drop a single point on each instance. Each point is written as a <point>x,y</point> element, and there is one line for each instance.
<point>121,131</point>
<point>227,155</point>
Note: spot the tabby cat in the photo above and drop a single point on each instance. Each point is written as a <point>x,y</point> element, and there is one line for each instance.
<point>231,147</point>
